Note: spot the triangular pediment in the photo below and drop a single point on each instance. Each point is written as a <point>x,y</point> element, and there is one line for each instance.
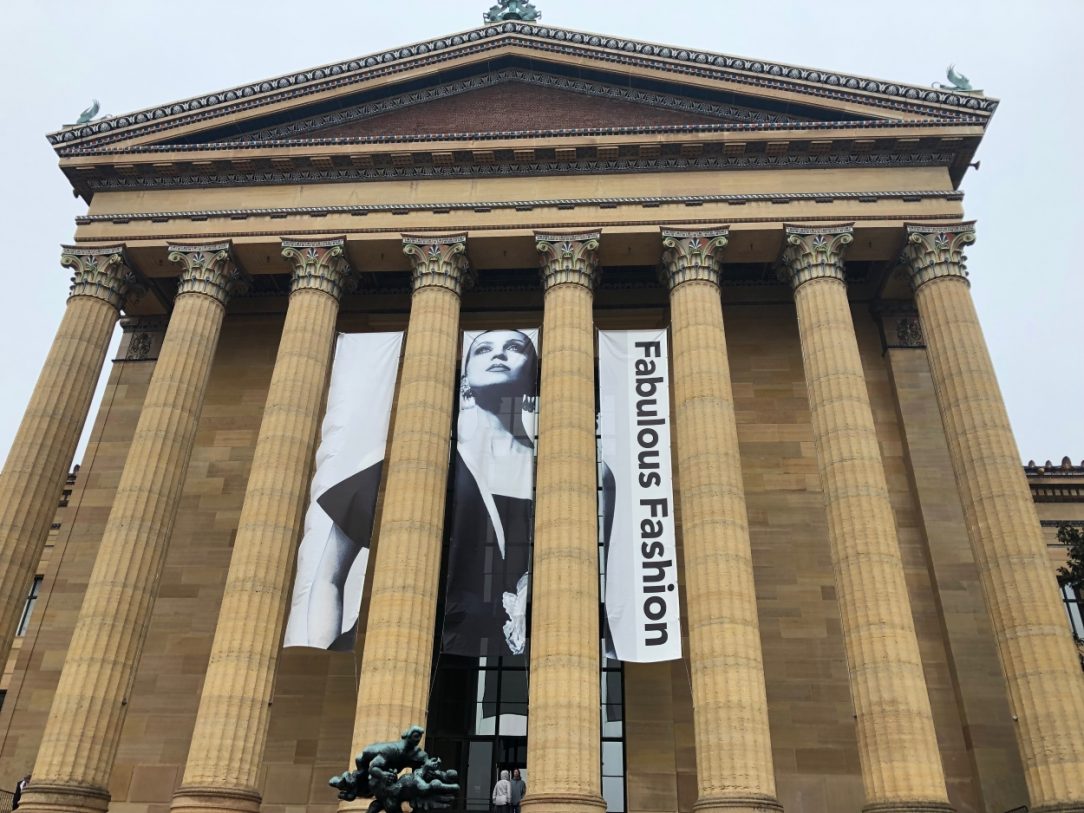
<point>514,100</point>
<point>522,77</point>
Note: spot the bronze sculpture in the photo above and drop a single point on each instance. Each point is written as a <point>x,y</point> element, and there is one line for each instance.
<point>396,772</point>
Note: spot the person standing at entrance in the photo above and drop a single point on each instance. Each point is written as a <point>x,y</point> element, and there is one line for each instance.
<point>502,793</point>
<point>518,791</point>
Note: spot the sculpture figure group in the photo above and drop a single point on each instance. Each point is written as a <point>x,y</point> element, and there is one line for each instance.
<point>396,772</point>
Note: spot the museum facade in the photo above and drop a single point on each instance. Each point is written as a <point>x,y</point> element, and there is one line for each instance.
<point>869,618</point>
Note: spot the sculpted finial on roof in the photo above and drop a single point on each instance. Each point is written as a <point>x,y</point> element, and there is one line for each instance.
<point>958,80</point>
<point>512,10</point>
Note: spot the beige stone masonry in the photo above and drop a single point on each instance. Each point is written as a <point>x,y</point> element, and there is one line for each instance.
<point>223,768</point>
<point>83,731</point>
<point>563,742</point>
<point>1046,686</point>
<point>42,450</point>
<point>733,746</point>
<point>393,692</point>
<point>897,744</point>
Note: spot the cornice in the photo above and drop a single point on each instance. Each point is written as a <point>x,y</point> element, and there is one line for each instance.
<point>627,53</point>
<point>518,205</point>
<point>511,162</point>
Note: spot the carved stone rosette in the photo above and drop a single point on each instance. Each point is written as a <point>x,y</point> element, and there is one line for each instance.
<point>815,253</point>
<point>439,261</point>
<point>101,272</point>
<point>568,258</point>
<point>210,270</point>
<point>320,265</point>
<point>692,255</point>
<point>934,251</point>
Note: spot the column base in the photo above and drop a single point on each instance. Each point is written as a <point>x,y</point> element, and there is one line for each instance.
<point>1058,807</point>
<point>908,807</point>
<point>45,797</point>
<point>201,799</point>
<point>738,804</point>
<point>562,803</point>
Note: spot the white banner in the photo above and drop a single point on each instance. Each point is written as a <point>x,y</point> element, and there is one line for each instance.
<point>642,606</point>
<point>334,550</point>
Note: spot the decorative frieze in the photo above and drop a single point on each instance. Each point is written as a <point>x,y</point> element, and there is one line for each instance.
<point>692,255</point>
<point>101,272</point>
<point>320,265</point>
<point>141,338</point>
<point>568,258</point>
<point>439,261</point>
<point>936,250</point>
<point>815,253</point>
<point>209,270</point>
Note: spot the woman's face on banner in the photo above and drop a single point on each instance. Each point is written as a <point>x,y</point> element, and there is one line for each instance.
<point>499,358</point>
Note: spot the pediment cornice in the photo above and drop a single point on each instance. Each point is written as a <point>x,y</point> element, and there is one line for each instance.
<point>885,100</point>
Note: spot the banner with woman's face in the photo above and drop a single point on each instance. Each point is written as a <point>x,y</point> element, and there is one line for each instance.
<point>492,511</point>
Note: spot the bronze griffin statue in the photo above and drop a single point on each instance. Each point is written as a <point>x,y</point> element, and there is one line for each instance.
<point>396,772</point>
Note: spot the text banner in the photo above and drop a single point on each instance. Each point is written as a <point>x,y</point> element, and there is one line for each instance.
<point>642,606</point>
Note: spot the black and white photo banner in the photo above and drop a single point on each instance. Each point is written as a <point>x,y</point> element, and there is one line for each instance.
<point>492,510</point>
<point>642,606</point>
<point>334,550</point>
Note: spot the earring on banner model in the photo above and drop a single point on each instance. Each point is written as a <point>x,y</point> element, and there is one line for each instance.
<point>530,403</point>
<point>466,394</point>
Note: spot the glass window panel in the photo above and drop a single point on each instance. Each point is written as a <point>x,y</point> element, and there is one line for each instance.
<point>613,791</point>
<point>613,758</point>
<point>613,728</point>
<point>513,687</point>
<point>479,774</point>
<point>1075,619</point>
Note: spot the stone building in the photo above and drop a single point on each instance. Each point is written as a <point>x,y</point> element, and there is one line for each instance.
<point>870,616</point>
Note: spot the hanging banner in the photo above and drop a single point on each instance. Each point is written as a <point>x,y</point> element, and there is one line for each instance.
<point>334,550</point>
<point>492,511</point>
<point>642,606</point>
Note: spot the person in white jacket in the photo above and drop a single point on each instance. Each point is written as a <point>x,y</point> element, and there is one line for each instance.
<point>502,793</point>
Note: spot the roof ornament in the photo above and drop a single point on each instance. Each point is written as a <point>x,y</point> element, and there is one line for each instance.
<point>512,10</point>
<point>959,82</point>
<point>88,114</point>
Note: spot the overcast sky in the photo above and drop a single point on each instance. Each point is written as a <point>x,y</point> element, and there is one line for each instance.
<point>1025,269</point>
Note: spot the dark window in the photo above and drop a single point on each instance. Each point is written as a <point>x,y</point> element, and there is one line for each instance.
<point>28,607</point>
<point>1074,608</point>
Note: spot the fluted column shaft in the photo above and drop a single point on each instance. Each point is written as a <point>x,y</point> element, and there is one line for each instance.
<point>226,751</point>
<point>730,705</point>
<point>897,744</point>
<point>41,452</point>
<point>563,742</point>
<point>393,689</point>
<point>1042,671</point>
<point>83,730</point>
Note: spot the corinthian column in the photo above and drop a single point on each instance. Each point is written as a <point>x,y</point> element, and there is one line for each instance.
<point>393,689</point>
<point>1046,687</point>
<point>897,745</point>
<point>730,705</point>
<point>42,450</point>
<point>81,735</point>
<point>227,746</point>
<point>563,745</point>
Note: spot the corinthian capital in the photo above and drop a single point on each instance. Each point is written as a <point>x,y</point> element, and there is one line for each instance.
<point>568,258</point>
<point>320,265</point>
<point>815,253</point>
<point>937,250</point>
<point>439,261</point>
<point>692,255</point>
<point>101,272</point>
<point>209,269</point>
